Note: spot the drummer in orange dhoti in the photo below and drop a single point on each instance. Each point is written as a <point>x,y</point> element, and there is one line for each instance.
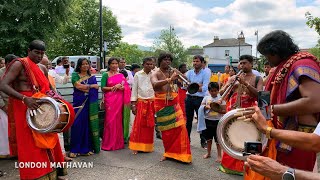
<point>142,105</point>
<point>169,115</point>
<point>244,95</point>
<point>22,75</point>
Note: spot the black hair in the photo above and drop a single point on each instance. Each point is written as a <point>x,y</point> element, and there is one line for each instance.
<point>199,57</point>
<point>233,68</point>
<point>213,85</point>
<point>124,72</point>
<point>146,59</point>
<point>110,61</point>
<point>59,60</point>
<point>267,63</point>
<point>134,66</point>
<point>37,44</point>
<point>79,63</point>
<point>164,55</point>
<point>181,66</point>
<point>277,43</point>
<point>65,57</point>
<point>9,57</point>
<point>247,57</point>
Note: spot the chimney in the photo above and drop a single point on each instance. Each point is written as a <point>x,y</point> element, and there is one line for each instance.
<point>215,38</point>
<point>241,38</point>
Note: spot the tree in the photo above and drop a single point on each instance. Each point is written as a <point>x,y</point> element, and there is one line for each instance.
<point>23,21</point>
<point>315,51</point>
<point>168,41</point>
<point>195,47</point>
<point>80,34</point>
<point>131,53</point>
<point>313,22</point>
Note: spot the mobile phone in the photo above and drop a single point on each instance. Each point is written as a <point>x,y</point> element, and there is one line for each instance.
<point>264,103</point>
<point>252,148</point>
<point>66,66</point>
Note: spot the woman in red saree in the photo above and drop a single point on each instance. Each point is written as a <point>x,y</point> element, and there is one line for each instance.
<point>117,100</point>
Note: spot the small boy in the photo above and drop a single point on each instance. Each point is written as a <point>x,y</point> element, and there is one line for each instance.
<point>212,117</point>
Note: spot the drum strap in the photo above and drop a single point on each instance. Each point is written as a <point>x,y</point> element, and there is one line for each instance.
<point>82,106</point>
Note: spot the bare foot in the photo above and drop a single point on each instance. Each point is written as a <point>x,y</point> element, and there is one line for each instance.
<point>134,152</point>
<point>163,159</point>
<point>206,156</point>
<point>218,159</point>
<point>67,159</point>
<point>72,155</point>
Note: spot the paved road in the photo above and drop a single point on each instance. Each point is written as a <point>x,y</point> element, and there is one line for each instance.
<point>122,165</point>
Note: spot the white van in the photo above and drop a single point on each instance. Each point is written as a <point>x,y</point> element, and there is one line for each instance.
<point>95,60</point>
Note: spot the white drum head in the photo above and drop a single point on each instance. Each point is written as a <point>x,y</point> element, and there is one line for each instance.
<point>232,134</point>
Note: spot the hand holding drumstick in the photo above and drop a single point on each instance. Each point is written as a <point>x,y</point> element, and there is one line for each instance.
<point>256,116</point>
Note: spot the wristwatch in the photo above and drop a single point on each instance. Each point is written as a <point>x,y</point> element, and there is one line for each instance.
<point>288,175</point>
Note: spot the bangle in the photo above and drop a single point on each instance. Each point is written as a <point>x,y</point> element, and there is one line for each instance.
<point>23,98</point>
<point>268,132</point>
<point>272,108</point>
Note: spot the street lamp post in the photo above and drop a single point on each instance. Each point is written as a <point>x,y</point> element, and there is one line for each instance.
<point>101,37</point>
<point>257,34</point>
<point>170,36</point>
<point>240,36</point>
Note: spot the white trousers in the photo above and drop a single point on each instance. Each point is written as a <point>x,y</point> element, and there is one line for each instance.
<point>4,139</point>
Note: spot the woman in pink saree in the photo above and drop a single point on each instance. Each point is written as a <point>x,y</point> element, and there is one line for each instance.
<point>117,101</point>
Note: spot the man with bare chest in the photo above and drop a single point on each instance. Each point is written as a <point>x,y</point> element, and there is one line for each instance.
<point>169,115</point>
<point>243,95</point>
<point>23,79</point>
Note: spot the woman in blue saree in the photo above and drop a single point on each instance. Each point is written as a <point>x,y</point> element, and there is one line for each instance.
<point>85,129</point>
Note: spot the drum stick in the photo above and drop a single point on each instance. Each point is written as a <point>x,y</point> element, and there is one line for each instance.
<point>77,107</point>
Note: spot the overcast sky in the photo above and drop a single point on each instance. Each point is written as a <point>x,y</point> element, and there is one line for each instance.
<point>196,22</point>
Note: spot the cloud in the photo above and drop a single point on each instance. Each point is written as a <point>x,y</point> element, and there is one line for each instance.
<point>142,20</point>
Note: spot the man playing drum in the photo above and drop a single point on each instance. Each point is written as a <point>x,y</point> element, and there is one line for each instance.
<point>169,115</point>
<point>244,95</point>
<point>294,87</point>
<point>19,76</point>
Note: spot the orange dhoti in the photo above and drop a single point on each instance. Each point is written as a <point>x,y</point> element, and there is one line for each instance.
<point>171,123</point>
<point>141,137</point>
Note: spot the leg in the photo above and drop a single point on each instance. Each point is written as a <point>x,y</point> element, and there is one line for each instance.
<point>219,156</point>
<point>208,149</point>
<point>134,152</point>
<point>197,104</point>
<point>189,114</point>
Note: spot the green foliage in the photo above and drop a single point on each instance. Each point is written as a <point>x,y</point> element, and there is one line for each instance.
<point>313,22</point>
<point>23,21</point>
<point>131,53</point>
<point>315,51</point>
<point>261,62</point>
<point>169,41</point>
<point>195,47</point>
<point>80,35</point>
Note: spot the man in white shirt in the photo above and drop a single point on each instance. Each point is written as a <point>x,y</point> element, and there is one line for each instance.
<point>122,65</point>
<point>61,70</point>
<point>53,79</point>
<point>142,105</point>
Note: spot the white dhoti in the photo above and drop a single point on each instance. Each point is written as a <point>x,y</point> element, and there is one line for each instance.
<point>4,139</point>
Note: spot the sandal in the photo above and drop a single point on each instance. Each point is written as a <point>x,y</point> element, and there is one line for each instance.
<point>72,155</point>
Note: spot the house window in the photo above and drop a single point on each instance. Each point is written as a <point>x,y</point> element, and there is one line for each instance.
<point>227,52</point>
